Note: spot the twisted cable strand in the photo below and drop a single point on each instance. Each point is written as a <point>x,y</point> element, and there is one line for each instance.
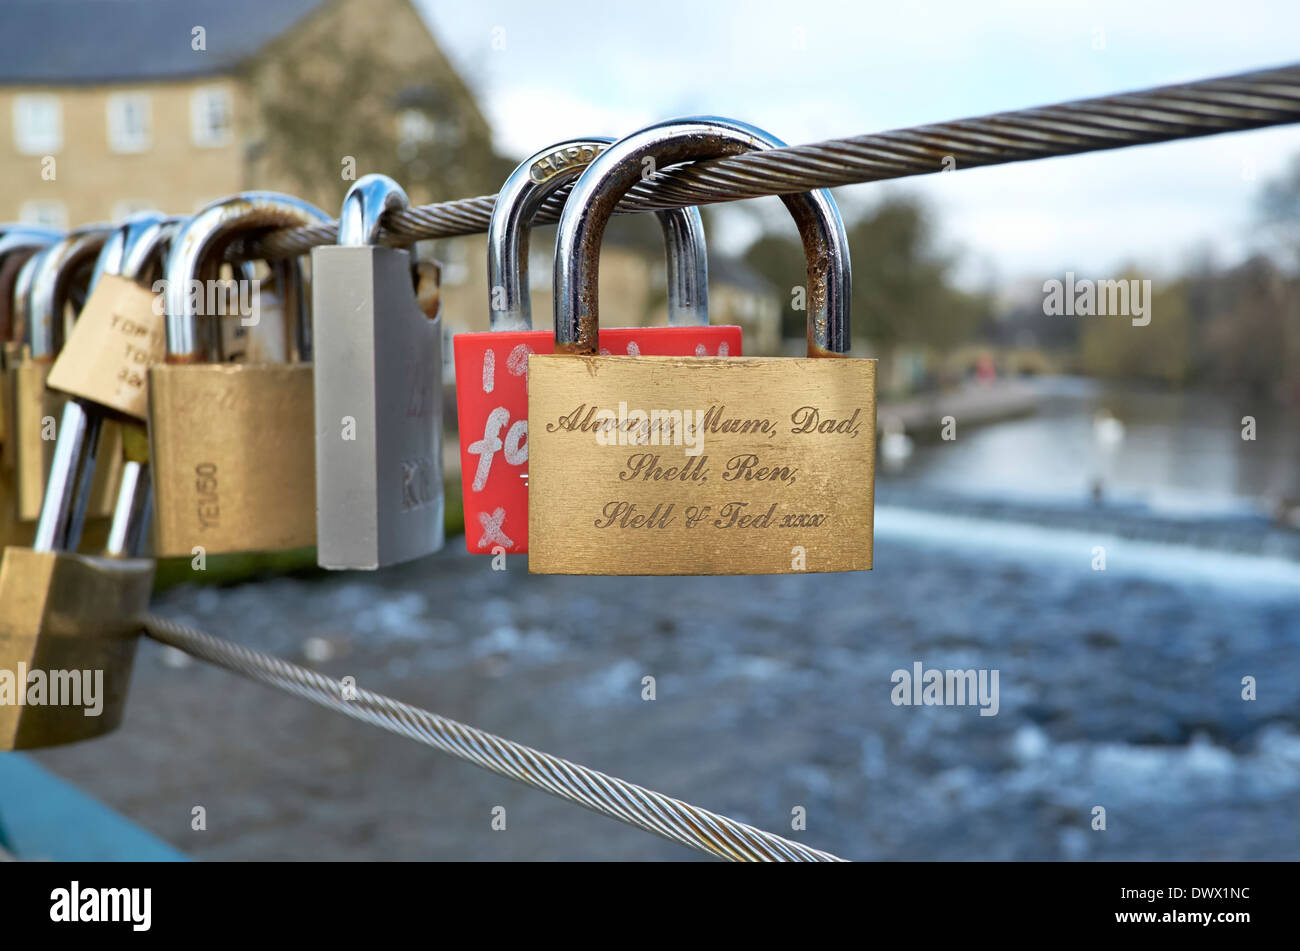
<point>654,812</point>
<point>1246,101</point>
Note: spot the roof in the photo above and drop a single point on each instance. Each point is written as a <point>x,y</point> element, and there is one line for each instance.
<point>55,42</point>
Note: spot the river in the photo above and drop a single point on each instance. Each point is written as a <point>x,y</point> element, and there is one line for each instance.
<point>1162,688</point>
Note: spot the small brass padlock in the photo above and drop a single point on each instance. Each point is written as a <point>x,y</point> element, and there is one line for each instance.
<point>68,632</point>
<point>50,279</point>
<point>69,624</point>
<point>231,446</point>
<point>17,246</point>
<point>103,368</point>
<point>698,465</point>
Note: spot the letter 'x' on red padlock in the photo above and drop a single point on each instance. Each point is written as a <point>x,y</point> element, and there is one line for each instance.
<point>492,368</point>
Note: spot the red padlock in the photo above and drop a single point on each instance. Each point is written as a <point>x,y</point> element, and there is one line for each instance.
<point>492,367</point>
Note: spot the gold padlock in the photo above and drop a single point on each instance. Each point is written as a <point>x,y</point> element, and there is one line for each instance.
<point>698,465</point>
<point>17,245</point>
<point>45,284</point>
<point>103,367</point>
<point>69,624</point>
<point>231,444</point>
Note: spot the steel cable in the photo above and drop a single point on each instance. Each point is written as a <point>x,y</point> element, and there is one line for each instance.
<point>1233,103</point>
<point>635,805</point>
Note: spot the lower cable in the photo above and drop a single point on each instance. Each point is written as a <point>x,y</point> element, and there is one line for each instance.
<point>654,812</point>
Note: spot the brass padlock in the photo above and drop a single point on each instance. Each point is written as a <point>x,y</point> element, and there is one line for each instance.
<point>103,367</point>
<point>698,465</point>
<point>231,444</point>
<point>69,624</point>
<point>17,246</point>
<point>55,275</point>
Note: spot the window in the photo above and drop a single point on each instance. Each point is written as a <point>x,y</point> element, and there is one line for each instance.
<point>130,122</point>
<point>38,124</point>
<point>210,123</point>
<point>44,212</point>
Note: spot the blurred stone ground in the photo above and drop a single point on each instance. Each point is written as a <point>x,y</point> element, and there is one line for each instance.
<point>773,692</point>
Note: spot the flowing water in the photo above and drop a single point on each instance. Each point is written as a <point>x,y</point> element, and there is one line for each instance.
<point>1119,688</point>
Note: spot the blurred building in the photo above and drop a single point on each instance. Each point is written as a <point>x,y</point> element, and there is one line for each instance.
<point>152,104</point>
<point>132,105</point>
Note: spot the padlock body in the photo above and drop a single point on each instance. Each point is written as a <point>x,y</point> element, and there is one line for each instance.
<point>232,457</point>
<point>378,372</point>
<point>661,466</point>
<point>492,412</point>
<point>35,416</point>
<point>12,531</point>
<point>118,335</point>
<point>10,353</point>
<point>68,631</point>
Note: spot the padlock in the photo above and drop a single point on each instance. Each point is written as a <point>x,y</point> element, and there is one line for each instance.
<point>69,624</point>
<point>645,465</point>
<point>378,365</point>
<point>68,630</point>
<point>15,352</point>
<point>491,390</point>
<point>56,275</point>
<point>17,245</point>
<point>230,444</point>
<point>103,367</point>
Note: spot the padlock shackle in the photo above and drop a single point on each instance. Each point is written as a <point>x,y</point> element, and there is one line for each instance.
<point>26,237</point>
<point>149,245</point>
<point>15,240</point>
<point>364,206</point>
<point>51,280</point>
<point>198,245</point>
<point>621,167</point>
<point>22,296</point>
<point>133,246</point>
<point>128,253</point>
<point>536,179</point>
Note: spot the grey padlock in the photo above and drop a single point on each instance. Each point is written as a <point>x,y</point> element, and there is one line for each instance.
<point>378,389</point>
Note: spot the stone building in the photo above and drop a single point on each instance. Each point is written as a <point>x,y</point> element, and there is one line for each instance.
<point>114,106</point>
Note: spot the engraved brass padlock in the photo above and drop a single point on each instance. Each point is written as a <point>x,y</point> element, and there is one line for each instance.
<point>378,368</point>
<point>103,368</point>
<point>491,395</point>
<point>54,275</point>
<point>231,445</point>
<point>698,465</point>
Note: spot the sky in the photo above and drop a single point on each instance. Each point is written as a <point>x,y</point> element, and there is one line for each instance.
<point>807,70</point>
